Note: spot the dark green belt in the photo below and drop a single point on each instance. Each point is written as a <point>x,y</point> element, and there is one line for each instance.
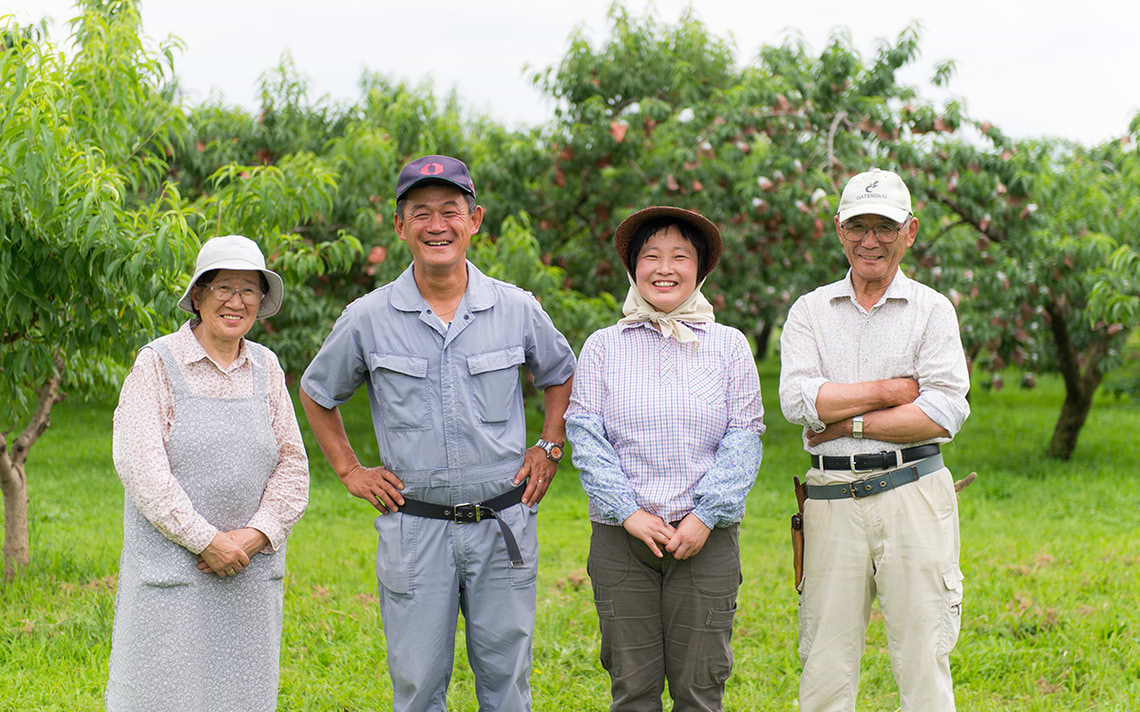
<point>876,484</point>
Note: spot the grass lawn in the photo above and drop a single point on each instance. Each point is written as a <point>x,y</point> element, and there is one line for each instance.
<point>1050,553</point>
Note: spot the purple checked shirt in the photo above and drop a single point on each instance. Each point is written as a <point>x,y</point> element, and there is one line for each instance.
<point>659,426</point>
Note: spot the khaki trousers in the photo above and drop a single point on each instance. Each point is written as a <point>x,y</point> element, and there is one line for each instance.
<point>902,546</point>
<point>664,619</point>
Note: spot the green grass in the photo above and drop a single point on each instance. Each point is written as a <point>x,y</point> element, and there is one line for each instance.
<point>1049,549</point>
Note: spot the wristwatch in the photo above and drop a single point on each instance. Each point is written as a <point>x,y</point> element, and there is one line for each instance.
<point>857,427</point>
<point>553,450</point>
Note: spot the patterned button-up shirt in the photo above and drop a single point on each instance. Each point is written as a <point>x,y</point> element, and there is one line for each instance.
<point>911,332</point>
<point>659,426</point>
<point>446,402</point>
<point>142,426</point>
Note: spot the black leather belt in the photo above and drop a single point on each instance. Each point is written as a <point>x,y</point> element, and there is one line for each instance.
<point>877,484</point>
<point>866,462</point>
<point>468,513</point>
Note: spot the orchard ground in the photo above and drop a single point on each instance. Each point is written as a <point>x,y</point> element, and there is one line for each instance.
<point>1049,551</point>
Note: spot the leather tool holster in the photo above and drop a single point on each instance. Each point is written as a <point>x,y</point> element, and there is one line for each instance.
<point>798,535</point>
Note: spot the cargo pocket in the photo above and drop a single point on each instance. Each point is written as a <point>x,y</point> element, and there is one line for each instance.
<point>402,388</point>
<point>396,551</point>
<point>522,521</point>
<point>951,611</point>
<point>495,382</point>
<point>608,561</point>
<point>714,656</point>
<point>610,653</point>
<point>715,570</point>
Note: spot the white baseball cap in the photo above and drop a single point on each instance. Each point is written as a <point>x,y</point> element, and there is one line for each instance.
<point>876,192</point>
<point>236,252</point>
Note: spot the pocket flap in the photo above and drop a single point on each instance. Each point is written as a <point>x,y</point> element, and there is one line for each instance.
<point>952,577</point>
<point>496,360</point>
<point>720,619</point>
<point>415,366</point>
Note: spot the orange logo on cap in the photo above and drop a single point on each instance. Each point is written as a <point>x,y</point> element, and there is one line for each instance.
<point>431,169</point>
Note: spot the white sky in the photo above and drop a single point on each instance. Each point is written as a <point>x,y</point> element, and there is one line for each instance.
<point>1046,68</point>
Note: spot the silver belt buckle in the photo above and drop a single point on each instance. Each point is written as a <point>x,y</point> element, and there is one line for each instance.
<point>854,470</point>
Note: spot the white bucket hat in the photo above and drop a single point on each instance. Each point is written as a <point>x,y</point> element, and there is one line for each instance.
<point>236,252</point>
<point>875,192</point>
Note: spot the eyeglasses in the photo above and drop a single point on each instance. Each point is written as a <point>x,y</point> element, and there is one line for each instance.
<point>886,234</point>
<point>223,293</point>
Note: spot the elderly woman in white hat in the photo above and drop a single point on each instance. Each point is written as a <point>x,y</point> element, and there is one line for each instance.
<point>207,446</point>
<point>666,419</point>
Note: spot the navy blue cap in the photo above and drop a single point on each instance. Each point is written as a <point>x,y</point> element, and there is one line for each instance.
<point>434,169</point>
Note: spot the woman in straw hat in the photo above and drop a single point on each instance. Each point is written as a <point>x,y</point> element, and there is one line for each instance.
<point>666,419</point>
<point>207,446</point>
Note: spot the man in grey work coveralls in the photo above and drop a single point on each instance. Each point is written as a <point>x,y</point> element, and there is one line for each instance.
<point>873,367</point>
<point>439,349</point>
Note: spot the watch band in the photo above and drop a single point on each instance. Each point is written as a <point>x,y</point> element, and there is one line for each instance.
<point>553,450</point>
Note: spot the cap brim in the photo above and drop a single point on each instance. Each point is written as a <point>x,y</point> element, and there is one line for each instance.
<point>270,305</point>
<point>708,230</point>
<point>429,180</point>
<point>890,213</point>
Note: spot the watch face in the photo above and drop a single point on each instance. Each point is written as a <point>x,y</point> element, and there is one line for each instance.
<point>556,452</point>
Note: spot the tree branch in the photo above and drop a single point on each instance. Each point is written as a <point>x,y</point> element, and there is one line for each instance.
<point>991,232</point>
<point>841,116</point>
<point>945,230</point>
<point>1067,360</point>
<point>41,417</point>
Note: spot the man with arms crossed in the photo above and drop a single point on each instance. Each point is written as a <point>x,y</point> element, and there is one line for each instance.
<point>873,368</point>
<point>439,350</point>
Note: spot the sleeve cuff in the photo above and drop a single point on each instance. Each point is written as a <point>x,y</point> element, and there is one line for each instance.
<point>197,541</point>
<point>558,377</point>
<point>625,511</point>
<point>314,392</point>
<point>809,391</point>
<point>271,529</point>
<point>707,517</point>
<point>940,410</point>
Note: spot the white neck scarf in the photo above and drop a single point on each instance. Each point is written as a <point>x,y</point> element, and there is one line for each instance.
<point>694,309</point>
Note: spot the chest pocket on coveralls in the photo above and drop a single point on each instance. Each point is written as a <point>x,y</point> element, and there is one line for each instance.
<point>494,382</point>
<point>402,386</point>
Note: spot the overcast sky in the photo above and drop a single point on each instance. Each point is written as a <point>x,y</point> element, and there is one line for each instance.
<point>1047,68</point>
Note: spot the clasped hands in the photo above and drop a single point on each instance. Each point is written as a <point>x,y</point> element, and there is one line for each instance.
<point>683,541</point>
<point>229,552</point>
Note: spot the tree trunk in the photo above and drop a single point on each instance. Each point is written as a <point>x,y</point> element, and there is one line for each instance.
<point>14,479</point>
<point>1074,411</point>
<point>1080,384</point>
<point>763,336</point>
<point>14,485</point>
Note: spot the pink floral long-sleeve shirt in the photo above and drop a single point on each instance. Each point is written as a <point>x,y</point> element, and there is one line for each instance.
<point>142,425</point>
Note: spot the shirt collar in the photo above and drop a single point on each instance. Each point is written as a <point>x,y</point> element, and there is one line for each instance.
<point>187,349</point>
<point>901,287</point>
<point>480,292</point>
<point>701,326</point>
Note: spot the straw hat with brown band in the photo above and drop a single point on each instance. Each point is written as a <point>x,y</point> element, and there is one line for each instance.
<point>700,223</point>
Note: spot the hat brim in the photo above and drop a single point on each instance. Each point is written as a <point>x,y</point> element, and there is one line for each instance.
<point>890,213</point>
<point>434,180</point>
<point>270,305</point>
<point>703,225</point>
